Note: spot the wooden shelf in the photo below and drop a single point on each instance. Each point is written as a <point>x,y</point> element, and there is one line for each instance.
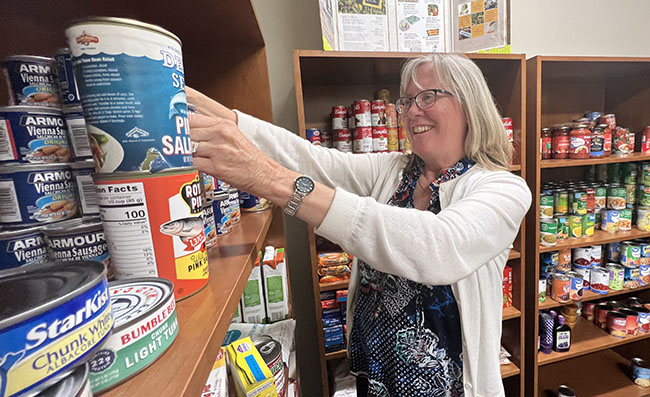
<point>598,374</point>
<point>510,312</point>
<point>615,158</point>
<point>599,237</point>
<point>587,338</point>
<point>203,318</point>
<point>334,286</point>
<point>515,168</point>
<point>514,255</point>
<point>338,354</point>
<point>590,296</point>
<point>509,370</point>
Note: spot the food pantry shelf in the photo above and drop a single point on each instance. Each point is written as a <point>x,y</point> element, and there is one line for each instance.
<point>586,337</point>
<point>510,312</point>
<point>203,318</point>
<point>336,354</point>
<point>615,158</point>
<point>509,370</point>
<point>599,237</point>
<point>585,376</point>
<point>590,296</point>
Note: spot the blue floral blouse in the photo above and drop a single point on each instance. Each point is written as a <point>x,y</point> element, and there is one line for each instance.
<point>406,338</point>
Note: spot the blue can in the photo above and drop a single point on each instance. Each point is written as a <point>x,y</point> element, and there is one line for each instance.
<point>251,203</point>
<point>77,239</point>
<point>209,225</point>
<point>21,247</point>
<point>548,260</point>
<point>221,207</point>
<point>32,81</point>
<point>65,73</point>
<point>37,194</point>
<point>235,209</point>
<point>78,134</point>
<point>313,135</point>
<point>593,116</point>
<point>33,134</point>
<point>137,116</point>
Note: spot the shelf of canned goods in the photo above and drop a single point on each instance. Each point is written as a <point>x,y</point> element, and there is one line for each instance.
<point>346,101</point>
<point>588,288</point>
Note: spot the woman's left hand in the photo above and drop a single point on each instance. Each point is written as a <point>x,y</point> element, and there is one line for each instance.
<point>226,153</point>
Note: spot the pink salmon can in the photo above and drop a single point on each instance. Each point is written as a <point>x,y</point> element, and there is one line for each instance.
<point>362,115</point>
<point>343,140</point>
<point>379,139</point>
<point>339,117</point>
<point>378,113</point>
<point>363,140</point>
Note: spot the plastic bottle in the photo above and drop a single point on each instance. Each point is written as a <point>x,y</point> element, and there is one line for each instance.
<point>561,336</point>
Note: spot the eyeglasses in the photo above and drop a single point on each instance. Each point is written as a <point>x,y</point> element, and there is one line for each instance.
<point>424,99</point>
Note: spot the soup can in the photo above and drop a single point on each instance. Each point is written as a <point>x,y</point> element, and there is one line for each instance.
<point>617,324</point>
<point>631,321</point>
<point>313,135</point>
<point>562,226</point>
<point>575,226</point>
<point>339,117</point>
<point>610,220</point>
<point>136,120</point>
<point>630,253</point>
<point>548,232</point>
<point>601,314</point>
<point>616,276</point>
<point>588,224</point>
<point>625,220</point>
<point>599,280</point>
<point>31,81</point>
<point>588,310</point>
<point>616,197</point>
<point>600,197</point>
<point>561,201</point>
<point>561,288</point>
<point>546,207</point>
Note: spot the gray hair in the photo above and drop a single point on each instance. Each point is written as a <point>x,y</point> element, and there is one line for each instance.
<point>486,142</point>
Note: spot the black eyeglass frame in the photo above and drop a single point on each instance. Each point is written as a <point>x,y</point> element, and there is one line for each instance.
<point>435,91</point>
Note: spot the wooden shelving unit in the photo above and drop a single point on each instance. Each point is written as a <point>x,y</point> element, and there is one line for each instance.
<point>324,79</point>
<point>561,89</point>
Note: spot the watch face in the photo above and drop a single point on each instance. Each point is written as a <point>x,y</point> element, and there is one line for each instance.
<point>304,184</point>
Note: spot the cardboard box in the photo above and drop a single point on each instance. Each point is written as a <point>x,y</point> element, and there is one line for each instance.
<point>250,373</point>
<point>217,384</point>
<point>276,288</point>
<point>253,302</point>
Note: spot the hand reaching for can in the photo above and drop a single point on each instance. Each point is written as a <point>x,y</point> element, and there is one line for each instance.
<point>207,106</point>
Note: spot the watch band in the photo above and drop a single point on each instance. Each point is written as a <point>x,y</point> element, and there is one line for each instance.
<point>303,185</point>
<point>294,203</point>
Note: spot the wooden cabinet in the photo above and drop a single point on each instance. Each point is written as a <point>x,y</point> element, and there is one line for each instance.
<point>324,79</point>
<point>225,57</point>
<point>561,89</point>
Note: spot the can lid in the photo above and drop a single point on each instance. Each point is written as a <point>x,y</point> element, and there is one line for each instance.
<point>72,226</point>
<point>71,383</point>
<point>29,58</point>
<point>123,21</point>
<point>31,290</point>
<point>19,232</point>
<point>17,167</point>
<point>269,348</point>
<point>31,110</point>
<point>134,299</point>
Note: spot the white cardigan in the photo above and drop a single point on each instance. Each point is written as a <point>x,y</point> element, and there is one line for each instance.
<point>465,245</point>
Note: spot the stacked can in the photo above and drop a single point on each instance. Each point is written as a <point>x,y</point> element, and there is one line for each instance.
<point>392,126</point>
<point>510,134</point>
<point>150,198</point>
<point>209,225</point>
<point>341,131</point>
<point>379,129</point>
<point>362,133</point>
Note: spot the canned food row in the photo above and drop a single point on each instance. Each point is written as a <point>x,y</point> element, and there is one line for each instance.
<point>619,318</point>
<point>360,139</point>
<point>623,173</point>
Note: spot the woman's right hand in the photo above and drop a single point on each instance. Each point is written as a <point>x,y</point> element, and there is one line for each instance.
<point>207,106</point>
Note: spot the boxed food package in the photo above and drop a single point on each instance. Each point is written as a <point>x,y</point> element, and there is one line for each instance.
<point>217,384</point>
<point>250,373</point>
<point>276,292</point>
<point>236,318</point>
<point>253,303</point>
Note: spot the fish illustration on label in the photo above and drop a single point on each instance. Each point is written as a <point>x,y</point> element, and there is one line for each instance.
<point>189,230</point>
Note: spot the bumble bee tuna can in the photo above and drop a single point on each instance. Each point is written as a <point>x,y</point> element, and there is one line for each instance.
<point>144,312</point>
<point>37,194</point>
<point>54,317</point>
<point>154,226</point>
<point>131,81</point>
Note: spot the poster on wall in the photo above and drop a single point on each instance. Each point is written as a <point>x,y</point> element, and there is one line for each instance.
<point>411,25</point>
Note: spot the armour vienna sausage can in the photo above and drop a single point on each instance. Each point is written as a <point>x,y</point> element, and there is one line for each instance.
<point>131,80</point>
<point>20,247</point>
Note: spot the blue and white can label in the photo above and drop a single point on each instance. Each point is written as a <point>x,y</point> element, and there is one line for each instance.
<point>221,207</point>
<point>76,240</point>
<point>131,80</point>
<point>31,134</point>
<point>65,73</point>
<point>78,134</point>
<point>31,80</point>
<point>37,194</point>
<point>22,247</point>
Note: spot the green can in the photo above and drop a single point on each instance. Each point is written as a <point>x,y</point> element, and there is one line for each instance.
<point>546,206</point>
<point>644,173</point>
<point>598,218</point>
<point>625,220</point>
<point>562,226</point>
<point>614,173</point>
<point>578,201</point>
<point>575,226</point>
<point>616,197</point>
<point>630,193</point>
<point>561,201</point>
<point>548,232</point>
<point>601,172</point>
<point>601,197</point>
<point>629,173</point>
<point>588,224</point>
<point>644,195</point>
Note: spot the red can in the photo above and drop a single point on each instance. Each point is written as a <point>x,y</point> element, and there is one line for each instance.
<point>631,140</point>
<point>391,115</point>
<point>601,314</point>
<point>343,140</point>
<point>591,199</point>
<point>561,143</point>
<point>393,140</point>
<point>609,119</point>
<point>325,139</point>
<point>339,117</point>
<point>608,140</point>
<point>378,113</point>
<point>362,115</point>
<point>363,140</point>
<point>379,139</point>
<point>631,321</point>
<point>619,140</point>
<point>507,124</point>
<point>351,122</point>
<point>580,143</point>
<point>401,134</point>
<point>589,311</point>
<point>645,139</point>
<point>617,324</point>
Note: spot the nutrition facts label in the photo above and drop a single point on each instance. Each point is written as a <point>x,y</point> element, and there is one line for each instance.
<point>124,213</point>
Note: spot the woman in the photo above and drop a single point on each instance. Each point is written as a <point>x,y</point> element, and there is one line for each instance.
<point>431,231</point>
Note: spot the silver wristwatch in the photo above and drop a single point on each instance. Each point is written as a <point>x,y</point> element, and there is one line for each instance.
<point>303,185</point>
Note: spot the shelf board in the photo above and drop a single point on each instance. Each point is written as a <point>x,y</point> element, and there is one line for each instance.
<point>337,354</point>
<point>514,255</point>
<point>587,338</point>
<point>615,158</point>
<point>203,318</point>
<point>515,168</point>
<point>510,312</point>
<point>597,374</point>
<point>334,286</point>
<point>589,296</point>
<point>509,370</point>
<point>599,237</point>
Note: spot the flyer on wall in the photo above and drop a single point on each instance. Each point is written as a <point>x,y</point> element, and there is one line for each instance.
<point>479,24</point>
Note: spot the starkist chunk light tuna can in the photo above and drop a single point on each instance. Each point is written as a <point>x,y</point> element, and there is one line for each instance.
<point>52,318</point>
<point>154,226</point>
<point>132,85</point>
<point>144,310</point>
